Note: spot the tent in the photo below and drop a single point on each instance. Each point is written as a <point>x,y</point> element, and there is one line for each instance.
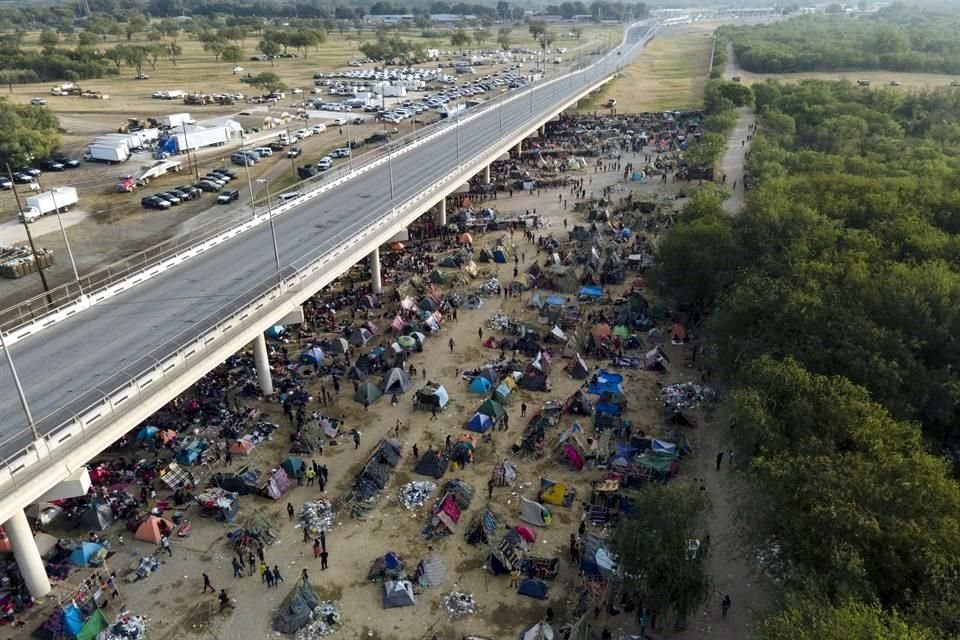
<point>360,337</point>
<point>338,345</point>
<point>480,423</point>
<point>277,484</point>
<point>88,554</point>
<point>275,332</point>
<point>601,331</point>
<point>654,336</point>
<point>296,612</point>
<point>147,434</point>
<point>152,529</point>
<point>431,464</point>
<point>367,393</point>
<point>596,558</point>
<point>482,528</point>
<point>554,494</point>
<point>680,419</point>
<point>431,572</point>
<point>96,518</point>
<point>526,533</point>
<point>534,513</point>
<point>479,385</point>
<point>578,368</point>
<point>573,456</point>
<point>533,588</point>
<point>539,631</point>
<point>491,408</point>
<point>313,355</point>
<point>590,292</point>
<point>242,447</point>
<point>437,277</point>
<point>466,238</point>
<point>292,465</point>
<point>678,333</point>
<point>504,389</point>
<point>431,396</point>
<point>473,301</point>
<point>398,593</point>
<point>396,381</point>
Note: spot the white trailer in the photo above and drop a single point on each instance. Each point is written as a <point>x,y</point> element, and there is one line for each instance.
<point>129,141</point>
<point>157,169</point>
<point>61,198</point>
<point>176,120</point>
<point>198,137</point>
<point>145,136</point>
<point>107,152</point>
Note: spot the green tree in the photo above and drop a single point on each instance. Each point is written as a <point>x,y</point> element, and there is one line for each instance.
<point>537,29</point>
<point>173,51</point>
<point>29,133</point>
<point>269,82</point>
<point>653,553</point>
<point>117,54</point>
<point>135,56</point>
<point>49,39</point>
<point>11,77</point>
<point>135,25</point>
<point>269,48</point>
<point>87,39</point>
<point>814,619</point>
<point>215,44</point>
<point>154,53</point>
<point>459,39</point>
<point>231,54</point>
<point>480,36</point>
<point>503,37</point>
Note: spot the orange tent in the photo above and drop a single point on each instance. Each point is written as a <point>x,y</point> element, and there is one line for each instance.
<point>602,330</point>
<point>678,332</point>
<point>241,447</point>
<point>150,529</point>
<point>167,435</point>
<point>466,238</point>
<point>397,246</point>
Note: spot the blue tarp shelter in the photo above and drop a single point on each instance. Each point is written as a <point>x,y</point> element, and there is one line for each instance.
<point>479,385</point>
<point>275,332</point>
<point>147,433</point>
<point>500,256</point>
<point>606,382</point>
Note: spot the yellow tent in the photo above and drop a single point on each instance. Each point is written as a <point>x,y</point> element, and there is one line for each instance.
<point>554,495</point>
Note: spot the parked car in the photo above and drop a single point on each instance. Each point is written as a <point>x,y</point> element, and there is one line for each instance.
<point>226,173</point>
<point>206,185</point>
<point>342,152</point>
<point>264,152</point>
<point>294,152</point>
<point>153,202</point>
<point>277,146</point>
<point>52,165</point>
<point>6,184</point>
<point>69,163</point>
<point>228,196</point>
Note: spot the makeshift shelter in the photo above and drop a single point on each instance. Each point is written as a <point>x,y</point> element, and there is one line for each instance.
<point>473,301</point>
<point>313,355</point>
<point>482,528</point>
<point>368,393</point>
<point>601,331</point>
<point>398,593</point>
<point>396,380</point>
<point>431,572</point>
<point>242,447</point>
<point>446,516</point>
<point>88,554</point>
<point>431,464</point>
<point>69,622</point>
<point>678,333</point>
<point>480,423</point>
<point>539,631</point>
<point>679,419</point>
<point>533,588</point>
<point>655,336</point>
<point>292,466</point>
<point>596,557</point>
<point>296,611</point>
<point>534,513</point>
<point>389,566</point>
<point>96,518</point>
<point>502,393</point>
<point>431,396</point>
<point>577,368</point>
<point>574,457</point>
<point>338,345</point>
<point>526,533</point>
<point>275,332</point>
<point>479,385</point>
<point>153,528</point>
<point>605,382</point>
<point>277,484</point>
<point>466,239</point>
<point>147,434</point>
<point>555,493</point>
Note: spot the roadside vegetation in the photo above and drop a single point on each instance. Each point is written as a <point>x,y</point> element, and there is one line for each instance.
<point>831,303</point>
<point>896,38</point>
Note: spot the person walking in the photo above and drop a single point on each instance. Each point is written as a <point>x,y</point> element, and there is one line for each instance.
<point>523,409</point>
<point>321,483</point>
<point>290,511</point>
<point>207,585</point>
<point>325,473</point>
<point>237,568</point>
<point>452,345</point>
<point>416,453</point>
<point>304,576</point>
<point>480,332</point>
<point>356,435</point>
<point>433,413</point>
<point>725,606</point>
<point>268,578</point>
<point>165,545</point>
<point>311,476</point>
<point>719,460</point>
<point>277,578</point>
<point>316,547</point>
<point>264,572</point>
<point>324,556</point>
<point>252,562</point>
<point>323,539</point>
<point>490,489</point>
<point>225,601</point>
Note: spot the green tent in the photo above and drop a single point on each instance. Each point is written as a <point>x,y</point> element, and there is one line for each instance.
<point>492,408</point>
<point>437,278</point>
<point>93,626</point>
<point>368,393</point>
<point>621,331</point>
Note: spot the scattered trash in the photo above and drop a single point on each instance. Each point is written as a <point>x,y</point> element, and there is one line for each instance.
<point>125,627</point>
<point>685,395</point>
<point>459,604</point>
<point>317,516</point>
<point>415,494</point>
<point>326,617</point>
<point>499,321</point>
<point>489,288</point>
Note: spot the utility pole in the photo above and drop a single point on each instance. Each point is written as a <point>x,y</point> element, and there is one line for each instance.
<point>33,247</point>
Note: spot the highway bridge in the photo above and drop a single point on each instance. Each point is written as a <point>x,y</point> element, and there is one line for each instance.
<point>100,365</point>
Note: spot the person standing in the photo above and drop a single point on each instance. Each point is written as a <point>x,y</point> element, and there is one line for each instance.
<point>264,572</point>
<point>523,409</point>
<point>268,578</point>
<point>237,568</point>
<point>324,472</point>
<point>316,547</point>
<point>433,413</point>
<point>165,545</point>
<point>252,561</point>
<point>719,459</point>
<point>324,556</point>
<point>291,511</point>
<point>452,345</point>
<point>725,606</point>
<point>490,489</point>
<point>514,578</point>
<point>323,539</point>
<point>356,435</point>
<point>207,585</point>
<point>224,600</point>
<point>730,458</point>
<point>644,620</point>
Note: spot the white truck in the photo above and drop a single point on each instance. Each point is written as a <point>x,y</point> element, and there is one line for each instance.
<point>176,120</point>
<point>157,169</point>
<point>106,152</point>
<point>61,198</point>
<point>197,137</point>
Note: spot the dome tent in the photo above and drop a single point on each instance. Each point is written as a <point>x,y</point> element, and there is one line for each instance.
<point>396,380</point>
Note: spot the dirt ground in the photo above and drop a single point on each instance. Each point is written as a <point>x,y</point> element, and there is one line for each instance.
<point>908,81</point>
<point>177,609</point>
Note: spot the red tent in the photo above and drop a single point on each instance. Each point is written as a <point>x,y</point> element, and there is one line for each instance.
<point>573,456</point>
<point>526,533</point>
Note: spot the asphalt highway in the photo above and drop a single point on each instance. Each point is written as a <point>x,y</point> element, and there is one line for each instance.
<point>70,365</point>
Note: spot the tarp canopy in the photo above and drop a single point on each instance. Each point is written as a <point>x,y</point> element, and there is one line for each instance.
<point>597,559</point>
<point>396,380</point>
<point>368,393</point>
<point>275,332</point>
<point>147,433</point>
<point>554,494</point>
<point>606,382</point>
<point>591,292</point>
<point>398,593</point>
<point>296,611</point>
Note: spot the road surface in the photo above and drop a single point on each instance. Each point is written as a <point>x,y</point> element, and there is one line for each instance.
<point>71,365</point>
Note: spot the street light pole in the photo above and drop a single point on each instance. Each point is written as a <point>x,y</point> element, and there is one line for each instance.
<point>273,229</point>
<point>26,226</point>
<point>246,168</point>
<point>16,381</point>
<point>66,241</point>
<point>186,143</point>
<point>457,107</point>
<point>393,205</point>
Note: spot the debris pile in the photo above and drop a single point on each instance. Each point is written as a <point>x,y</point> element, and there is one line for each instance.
<point>125,627</point>
<point>326,618</point>
<point>685,395</point>
<point>317,516</point>
<point>490,288</point>
<point>415,494</point>
<point>499,321</point>
<point>459,604</point>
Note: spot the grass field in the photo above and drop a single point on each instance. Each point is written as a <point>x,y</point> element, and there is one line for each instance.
<point>908,81</point>
<point>670,73</point>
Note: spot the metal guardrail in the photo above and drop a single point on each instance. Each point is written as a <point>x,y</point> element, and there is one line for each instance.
<point>243,312</point>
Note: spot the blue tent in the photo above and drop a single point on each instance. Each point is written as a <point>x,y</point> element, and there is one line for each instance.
<point>556,300</point>
<point>313,355</point>
<point>626,232</point>
<point>479,385</point>
<point>534,588</point>
<point>480,423</point>
<point>72,620</point>
<point>84,553</point>
<point>499,255</point>
<point>591,292</point>
<point>147,433</point>
<point>275,332</point>
<point>187,456</point>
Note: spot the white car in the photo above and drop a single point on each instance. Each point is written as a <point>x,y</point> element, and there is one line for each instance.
<point>340,120</point>
<point>324,163</point>
<point>303,133</point>
<point>342,152</point>
<point>263,152</point>
<point>319,128</point>
<point>296,91</point>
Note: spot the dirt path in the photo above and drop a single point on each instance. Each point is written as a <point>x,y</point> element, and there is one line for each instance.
<point>734,160</point>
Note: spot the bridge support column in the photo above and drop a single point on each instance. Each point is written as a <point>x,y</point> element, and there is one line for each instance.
<point>486,174</point>
<point>542,130</point>
<point>262,362</point>
<point>519,148</point>
<point>375,283</point>
<point>442,218</point>
<point>28,556</point>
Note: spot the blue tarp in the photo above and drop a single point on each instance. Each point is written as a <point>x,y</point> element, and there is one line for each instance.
<point>556,300</point>
<point>605,408</point>
<point>622,450</point>
<point>72,620</point>
<point>275,332</point>
<point>147,433</point>
<point>479,385</point>
<point>591,292</point>
<point>82,554</point>
<point>480,423</point>
<point>606,382</point>
<point>187,456</point>
<point>626,232</point>
<point>534,589</point>
<point>499,256</point>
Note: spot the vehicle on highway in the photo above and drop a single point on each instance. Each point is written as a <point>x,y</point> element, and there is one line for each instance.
<point>342,152</point>
<point>294,152</point>
<point>318,128</point>
<point>228,196</point>
<point>290,195</point>
<point>38,102</point>
<point>264,152</point>
<point>325,163</point>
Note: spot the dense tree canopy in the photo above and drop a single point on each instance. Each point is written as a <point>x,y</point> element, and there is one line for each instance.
<point>896,38</point>
<point>29,133</point>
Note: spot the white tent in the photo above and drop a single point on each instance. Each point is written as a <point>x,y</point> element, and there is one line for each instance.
<point>398,593</point>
